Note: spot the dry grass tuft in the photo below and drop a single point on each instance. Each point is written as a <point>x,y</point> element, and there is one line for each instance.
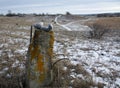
<point>63,72</point>
<point>112,23</point>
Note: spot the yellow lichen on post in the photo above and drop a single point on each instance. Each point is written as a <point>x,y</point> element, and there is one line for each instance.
<point>34,51</point>
<point>40,64</point>
<point>40,68</point>
<point>51,43</point>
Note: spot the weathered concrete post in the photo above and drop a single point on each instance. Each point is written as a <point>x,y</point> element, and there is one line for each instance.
<point>40,52</point>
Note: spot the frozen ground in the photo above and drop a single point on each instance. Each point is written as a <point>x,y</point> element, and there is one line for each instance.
<point>100,59</point>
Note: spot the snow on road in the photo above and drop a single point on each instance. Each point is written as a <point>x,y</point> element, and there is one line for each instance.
<point>64,26</point>
<point>73,26</point>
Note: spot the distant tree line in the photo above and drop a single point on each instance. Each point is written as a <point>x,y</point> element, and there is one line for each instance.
<point>22,15</point>
<point>42,14</point>
<point>12,14</point>
<point>109,15</point>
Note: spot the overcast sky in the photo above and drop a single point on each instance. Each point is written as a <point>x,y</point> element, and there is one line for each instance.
<point>60,6</point>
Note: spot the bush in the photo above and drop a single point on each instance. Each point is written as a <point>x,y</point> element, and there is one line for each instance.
<point>105,25</point>
<point>97,30</point>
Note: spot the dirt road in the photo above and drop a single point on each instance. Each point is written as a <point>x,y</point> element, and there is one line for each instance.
<point>74,25</point>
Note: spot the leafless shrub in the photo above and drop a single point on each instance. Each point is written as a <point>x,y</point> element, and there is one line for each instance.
<point>61,76</point>
<point>97,31</point>
<point>103,26</point>
<point>63,79</point>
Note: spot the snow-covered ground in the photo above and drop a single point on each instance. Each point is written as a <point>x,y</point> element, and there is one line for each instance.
<point>100,58</point>
<point>13,50</point>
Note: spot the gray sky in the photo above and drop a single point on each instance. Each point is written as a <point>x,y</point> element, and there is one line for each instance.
<point>60,6</point>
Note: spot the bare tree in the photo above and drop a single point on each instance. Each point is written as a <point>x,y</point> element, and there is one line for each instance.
<point>68,13</point>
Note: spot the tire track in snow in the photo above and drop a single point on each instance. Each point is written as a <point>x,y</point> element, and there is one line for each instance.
<point>73,26</point>
<point>64,26</point>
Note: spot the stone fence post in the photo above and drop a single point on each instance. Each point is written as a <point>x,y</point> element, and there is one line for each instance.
<point>40,51</point>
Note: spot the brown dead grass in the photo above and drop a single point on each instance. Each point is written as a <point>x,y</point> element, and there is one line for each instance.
<point>64,79</point>
<point>112,23</point>
<point>109,26</point>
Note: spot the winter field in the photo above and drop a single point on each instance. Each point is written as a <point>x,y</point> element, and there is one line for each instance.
<point>88,61</point>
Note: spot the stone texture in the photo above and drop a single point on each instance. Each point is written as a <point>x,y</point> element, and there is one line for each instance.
<point>39,57</point>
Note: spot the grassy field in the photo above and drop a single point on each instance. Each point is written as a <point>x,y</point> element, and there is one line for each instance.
<point>112,23</point>
<point>14,41</point>
<point>90,63</point>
